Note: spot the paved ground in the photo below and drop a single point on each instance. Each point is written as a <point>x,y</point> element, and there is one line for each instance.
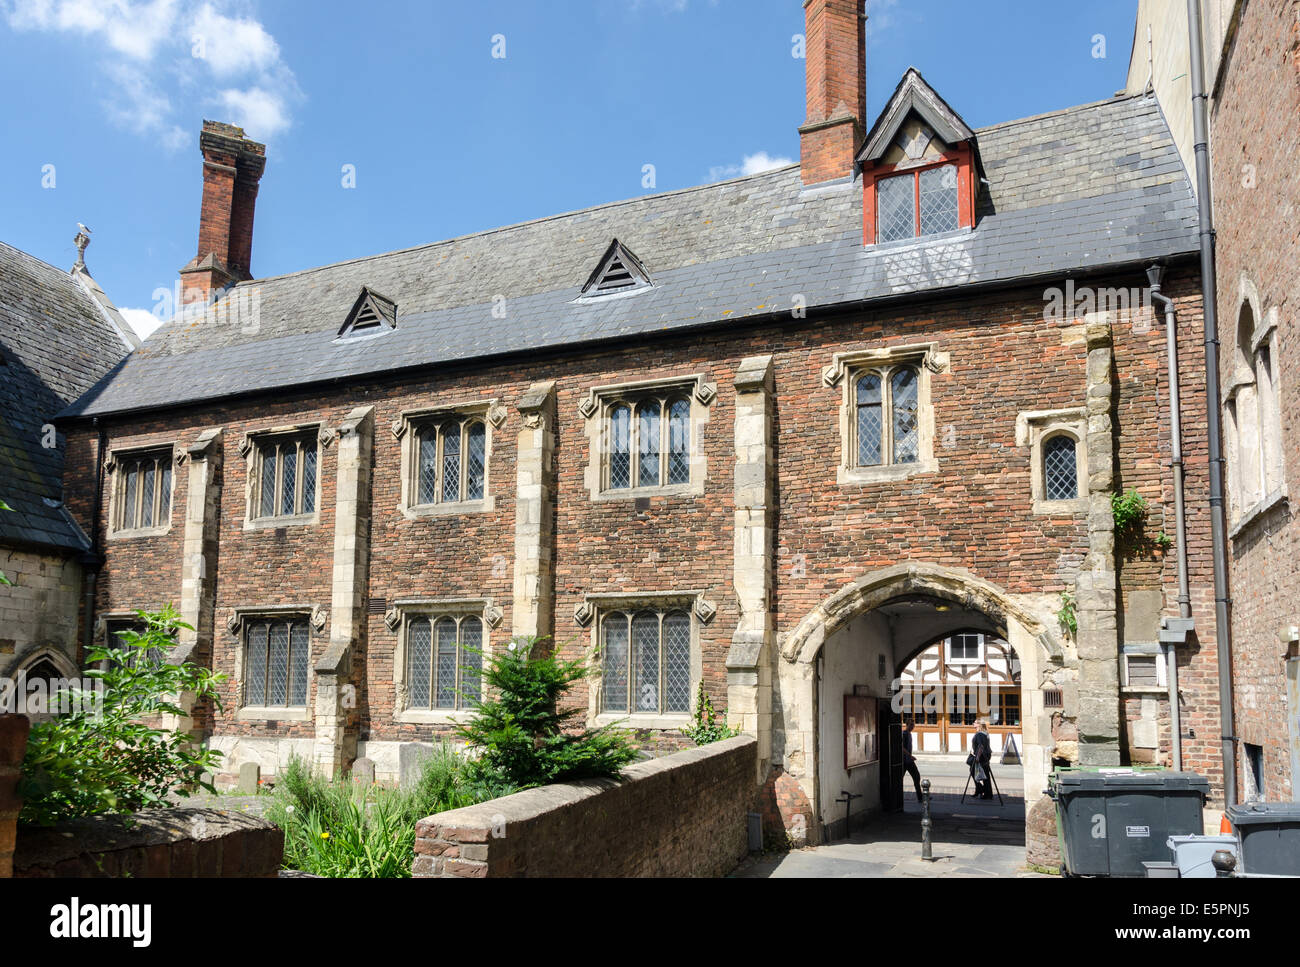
<point>969,839</point>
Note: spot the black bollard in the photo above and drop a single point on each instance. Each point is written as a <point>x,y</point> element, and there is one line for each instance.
<point>926,850</point>
<point>1224,863</point>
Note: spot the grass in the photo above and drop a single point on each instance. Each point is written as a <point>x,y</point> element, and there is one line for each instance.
<point>342,828</point>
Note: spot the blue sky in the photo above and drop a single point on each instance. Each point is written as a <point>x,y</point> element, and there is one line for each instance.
<point>446,138</point>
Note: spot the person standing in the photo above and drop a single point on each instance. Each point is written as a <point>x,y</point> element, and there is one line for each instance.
<point>982,750</point>
<point>909,760</point>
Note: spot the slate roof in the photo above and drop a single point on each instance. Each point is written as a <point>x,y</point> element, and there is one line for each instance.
<point>57,339</point>
<point>1084,188</point>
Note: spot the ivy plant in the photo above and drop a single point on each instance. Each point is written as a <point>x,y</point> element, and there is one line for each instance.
<point>703,728</point>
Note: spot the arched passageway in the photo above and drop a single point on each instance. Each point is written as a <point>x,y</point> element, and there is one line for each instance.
<point>841,676</point>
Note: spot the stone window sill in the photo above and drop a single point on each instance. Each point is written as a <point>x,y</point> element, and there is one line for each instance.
<point>1258,511</point>
<point>864,476</point>
<point>1050,508</point>
<point>274,523</point>
<point>666,722</point>
<point>1145,690</point>
<point>126,535</point>
<point>270,713</point>
<point>450,509</point>
<point>424,716</point>
<point>631,493</point>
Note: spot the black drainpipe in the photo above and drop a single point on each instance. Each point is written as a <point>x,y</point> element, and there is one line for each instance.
<point>1210,295</point>
<point>92,560</point>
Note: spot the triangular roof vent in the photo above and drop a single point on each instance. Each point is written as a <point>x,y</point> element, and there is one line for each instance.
<point>619,271</point>
<point>370,315</point>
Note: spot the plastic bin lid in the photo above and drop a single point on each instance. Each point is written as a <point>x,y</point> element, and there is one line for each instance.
<point>1266,813</point>
<point>1163,780</point>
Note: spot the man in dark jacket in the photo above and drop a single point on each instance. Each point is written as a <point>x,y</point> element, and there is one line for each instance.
<point>982,751</point>
<point>909,760</point>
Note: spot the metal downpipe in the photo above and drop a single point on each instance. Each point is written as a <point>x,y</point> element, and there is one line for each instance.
<point>1210,294</point>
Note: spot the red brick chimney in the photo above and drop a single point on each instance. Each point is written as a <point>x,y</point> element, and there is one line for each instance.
<point>232,167</point>
<point>835,47</point>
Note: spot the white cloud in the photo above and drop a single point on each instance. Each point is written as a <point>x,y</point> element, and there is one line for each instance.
<point>232,45</point>
<point>751,164</point>
<point>156,56</point>
<point>143,321</point>
<point>255,109</point>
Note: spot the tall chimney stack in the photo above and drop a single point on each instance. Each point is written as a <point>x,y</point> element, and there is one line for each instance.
<point>232,167</point>
<point>835,46</point>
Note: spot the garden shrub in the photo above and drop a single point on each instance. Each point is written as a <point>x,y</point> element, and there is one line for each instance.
<point>108,752</point>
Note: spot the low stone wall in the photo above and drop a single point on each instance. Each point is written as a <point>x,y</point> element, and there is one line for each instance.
<point>153,842</point>
<point>13,746</point>
<point>680,815</point>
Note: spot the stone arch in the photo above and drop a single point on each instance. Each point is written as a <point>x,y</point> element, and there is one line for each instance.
<point>60,661</point>
<point>878,587</point>
<point>1029,630</point>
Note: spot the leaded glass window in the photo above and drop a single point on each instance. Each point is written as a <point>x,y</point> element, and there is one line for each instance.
<point>918,203</point>
<point>896,208</point>
<point>145,484</point>
<point>276,660</point>
<point>938,196</point>
<point>1060,468</point>
<point>443,661</point>
<point>871,431</point>
<point>451,461</point>
<point>646,662</point>
<point>654,448</point>
<point>887,415</point>
<point>286,480</point>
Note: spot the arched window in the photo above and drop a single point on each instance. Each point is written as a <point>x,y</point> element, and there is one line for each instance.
<point>871,430</point>
<point>652,450</point>
<point>646,662</point>
<point>1060,468</point>
<point>648,434</point>
<point>620,447</point>
<point>887,406</point>
<point>276,662</point>
<point>451,462</point>
<point>679,442</point>
<point>444,661</point>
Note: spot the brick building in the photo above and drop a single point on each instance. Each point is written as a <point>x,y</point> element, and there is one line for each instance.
<point>1252,76</point>
<point>774,436</point>
<point>59,335</point>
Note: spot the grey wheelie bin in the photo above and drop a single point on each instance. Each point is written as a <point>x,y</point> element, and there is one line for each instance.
<point>1269,833</point>
<point>1112,821</point>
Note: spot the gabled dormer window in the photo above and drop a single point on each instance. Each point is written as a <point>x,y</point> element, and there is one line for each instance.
<point>618,271</point>
<point>370,315</point>
<point>920,168</point>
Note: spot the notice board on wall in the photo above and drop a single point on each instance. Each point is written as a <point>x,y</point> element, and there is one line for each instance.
<point>861,731</point>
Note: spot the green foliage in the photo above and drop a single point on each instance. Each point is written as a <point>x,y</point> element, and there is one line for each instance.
<point>703,729</point>
<point>1067,617</point>
<point>1163,541</point>
<point>342,828</point>
<point>520,728</point>
<point>108,752</point>
<point>1130,510</point>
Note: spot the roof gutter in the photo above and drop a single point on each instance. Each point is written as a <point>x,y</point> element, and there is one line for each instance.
<point>1210,295</point>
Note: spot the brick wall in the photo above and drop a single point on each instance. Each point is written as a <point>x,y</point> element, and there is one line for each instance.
<point>153,843</point>
<point>13,746</point>
<point>974,513</point>
<point>39,611</point>
<point>1256,182</point>
<point>680,815</point>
